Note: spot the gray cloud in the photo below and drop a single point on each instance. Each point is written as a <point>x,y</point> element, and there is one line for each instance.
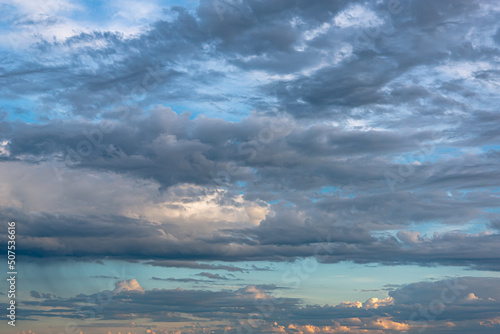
<point>213,276</point>
<point>329,182</point>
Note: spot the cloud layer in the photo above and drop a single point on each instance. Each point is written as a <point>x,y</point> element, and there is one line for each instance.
<point>192,135</point>
<point>457,305</point>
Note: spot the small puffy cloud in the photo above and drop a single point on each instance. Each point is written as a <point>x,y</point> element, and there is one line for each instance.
<point>410,237</point>
<point>4,151</point>
<point>493,322</point>
<point>371,303</point>
<point>376,302</point>
<point>471,297</point>
<point>253,292</point>
<point>307,329</point>
<point>387,323</point>
<point>351,304</point>
<point>127,285</point>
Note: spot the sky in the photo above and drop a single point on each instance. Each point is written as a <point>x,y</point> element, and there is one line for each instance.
<point>251,166</point>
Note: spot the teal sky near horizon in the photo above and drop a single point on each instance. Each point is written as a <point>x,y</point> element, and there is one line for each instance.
<point>327,284</point>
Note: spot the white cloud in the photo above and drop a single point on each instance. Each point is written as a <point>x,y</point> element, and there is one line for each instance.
<point>376,302</point>
<point>351,304</point>
<point>387,323</point>
<point>36,189</point>
<point>208,210</point>
<point>128,285</point>
<point>3,148</point>
<point>253,292</point>
<point>371,303</point>
<point>313,33</point>
<point>409,237</point>
<point>471,297</point>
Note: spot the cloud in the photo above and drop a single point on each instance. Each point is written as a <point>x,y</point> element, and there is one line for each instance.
<point>36,294</point>
<point>205,133</point>
<point>195,265</point>
<point>213,276</point>
<point>376,302</point>
<point>213,224</point>
<point>439,306</point>
<point>183,280</point>
<point>471,297</point>
<point>127,285</point>
<point>249,39</point>
<point>105,277</point>
<point>409,236</point>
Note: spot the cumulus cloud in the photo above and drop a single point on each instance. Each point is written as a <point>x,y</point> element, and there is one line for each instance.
<point>376,302</point>
<point>127,285</point>
<point>409,236</point>
<point>219,182</point>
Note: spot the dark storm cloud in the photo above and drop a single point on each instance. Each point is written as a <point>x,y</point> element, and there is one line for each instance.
<point>171,149</point>
<point>331,245</point>
<point>351,164</point>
